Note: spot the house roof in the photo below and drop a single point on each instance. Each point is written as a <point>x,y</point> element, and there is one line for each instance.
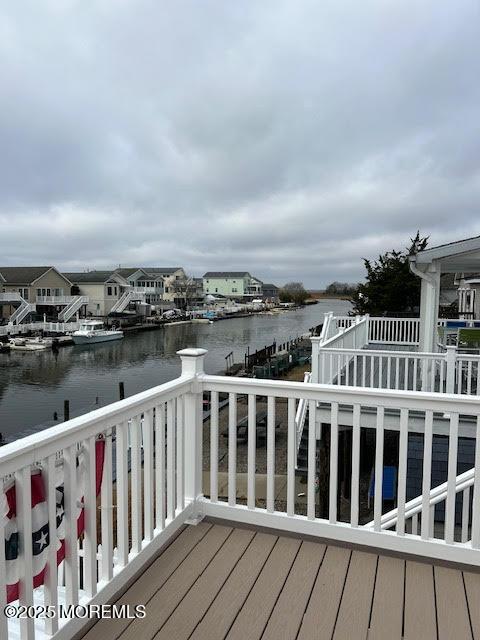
<point>270,286</point>
<point>461,255</point>
<point>24,275</point>
<point>226,274</point>
<point>159,270</point>
<point>128,271</point>
<point>90,276</point>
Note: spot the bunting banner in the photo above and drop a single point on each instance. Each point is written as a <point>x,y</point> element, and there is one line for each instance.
<point>41,538</point>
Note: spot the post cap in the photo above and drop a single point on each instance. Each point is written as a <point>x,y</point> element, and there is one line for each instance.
<point>191,352</point>
<point>192,361</point>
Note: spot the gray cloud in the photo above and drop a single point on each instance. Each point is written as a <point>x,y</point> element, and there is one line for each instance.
<point>287,138</point>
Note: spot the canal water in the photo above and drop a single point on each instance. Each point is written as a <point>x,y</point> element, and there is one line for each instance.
<point>33,386</point>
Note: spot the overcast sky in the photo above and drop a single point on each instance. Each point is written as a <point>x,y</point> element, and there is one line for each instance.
<point>287,138</point>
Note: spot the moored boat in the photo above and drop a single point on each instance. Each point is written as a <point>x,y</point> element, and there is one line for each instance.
<point>28,344</point>
<point>92,331</point>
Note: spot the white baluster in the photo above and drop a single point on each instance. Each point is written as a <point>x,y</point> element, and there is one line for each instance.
<point>214,446</point>
<point>292,454</point>
<point>333,462</point>
<point>355,466</point>
<point>232,449</point>
<point>271,454</point>
<point>252,439</point>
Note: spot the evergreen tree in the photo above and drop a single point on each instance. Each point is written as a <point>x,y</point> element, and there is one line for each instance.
<point>390,287</point>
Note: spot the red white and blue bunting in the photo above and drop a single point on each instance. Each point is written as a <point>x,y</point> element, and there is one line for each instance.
<point>41,538</point>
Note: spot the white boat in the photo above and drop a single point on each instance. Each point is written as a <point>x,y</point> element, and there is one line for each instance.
<point>28,344</point>
<point>91,331</point>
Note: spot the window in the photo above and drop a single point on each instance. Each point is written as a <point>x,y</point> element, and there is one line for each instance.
<point>216,290</point>
<point>109,291</point>
<point>39,292</point>
<point>234,290</point>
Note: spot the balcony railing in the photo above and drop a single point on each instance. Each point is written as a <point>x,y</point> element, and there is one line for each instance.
<point>47,300</point>
<point>341,356</point>
<point>138,463</point>
<point>10,296</point>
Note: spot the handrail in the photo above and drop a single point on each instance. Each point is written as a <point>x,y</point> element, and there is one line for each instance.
<point>436,495</point>
<point>301,413</point>
<point>365,396</point>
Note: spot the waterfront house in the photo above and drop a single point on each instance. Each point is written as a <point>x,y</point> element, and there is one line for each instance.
<point>238,285</point>
<point>220,545</point>
<point>104,289</point>
<point>153,284</point>
<point>40,290</point>
<point>270,292</point>
<point>170,275</point>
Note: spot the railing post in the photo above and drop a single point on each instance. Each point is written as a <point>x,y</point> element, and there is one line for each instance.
<point>315,359</point>
<point>451,360</point>
<point>367,328</point>
<point>193,367</point>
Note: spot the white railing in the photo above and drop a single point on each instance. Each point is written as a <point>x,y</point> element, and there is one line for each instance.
<point>22,312</point>
<point>153,461</point>
<point>75,305</point>
<point>10,296</point>
<point>394,331</point>
<point>354,335</point>
<point>130,295</point>
<point>301,414</point>
<point>55,299</point>
<point>147,459</point>
<point>448,372</point>
<point>52,327</point>
<point>420,512</point>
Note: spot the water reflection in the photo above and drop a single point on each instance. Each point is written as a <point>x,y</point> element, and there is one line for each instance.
<point>34,385</point>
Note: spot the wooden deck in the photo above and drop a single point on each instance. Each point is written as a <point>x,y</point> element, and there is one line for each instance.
<point>216,581</point>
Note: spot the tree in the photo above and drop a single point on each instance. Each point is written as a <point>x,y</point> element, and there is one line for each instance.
<point>390,286</point>
<point>293,292</point>
<point>341,289</point>
<point>186,291</point>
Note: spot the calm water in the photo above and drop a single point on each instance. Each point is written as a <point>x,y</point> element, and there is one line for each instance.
<point>34,385</point>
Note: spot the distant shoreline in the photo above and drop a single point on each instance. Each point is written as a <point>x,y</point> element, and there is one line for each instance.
<point>321,295</point>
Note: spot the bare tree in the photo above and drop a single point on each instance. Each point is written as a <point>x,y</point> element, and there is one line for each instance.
<point>186,291</point>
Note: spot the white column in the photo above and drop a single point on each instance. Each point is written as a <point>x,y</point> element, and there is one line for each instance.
<point>315,358</point>
<point>430,292</point>
<point>193,367</point>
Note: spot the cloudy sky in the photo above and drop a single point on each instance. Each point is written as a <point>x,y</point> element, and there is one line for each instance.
<point>287,137</point>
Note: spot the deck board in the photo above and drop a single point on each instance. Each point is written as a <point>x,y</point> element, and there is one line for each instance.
<point>217,581</point>
<point>452,610</point>
<point>387,610</point>
<point>225,607</point>
<point>288,612</point>
<point>192,608</point>
<point>253,617</point>
<point>472,588</point>
<point>354,612</point>
<point>420,612</point>
<point>167,598</point>
<point>321,614</point>
<point>150,581</point>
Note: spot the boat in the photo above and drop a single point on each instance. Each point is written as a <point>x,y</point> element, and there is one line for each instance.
<point>28,344</point>
<point>92,331</point>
